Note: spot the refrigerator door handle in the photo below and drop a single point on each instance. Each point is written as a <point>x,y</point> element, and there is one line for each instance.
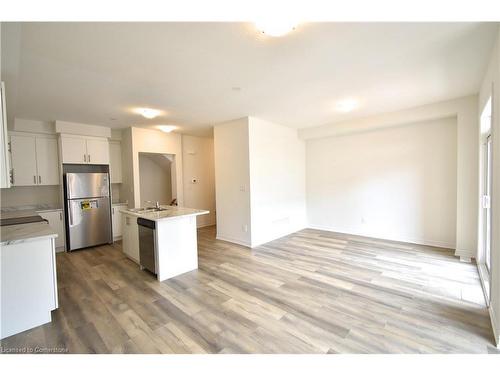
<point>70,209</point>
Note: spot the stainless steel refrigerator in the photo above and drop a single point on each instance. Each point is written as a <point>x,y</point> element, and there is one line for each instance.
<point>88,210</point>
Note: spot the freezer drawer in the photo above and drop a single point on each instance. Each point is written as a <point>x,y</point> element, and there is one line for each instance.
<point>87,185</point>
<point>89,222</point>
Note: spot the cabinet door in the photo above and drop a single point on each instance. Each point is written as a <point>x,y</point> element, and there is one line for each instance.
<point>115,162</point>
<point>56,222</point>
<point>97,151</point>
<point>47,161</point>
<point>130,237</point>
<point>73,150</point>
<point>125,234</point>
<point>117,221</point>
<point>23,156</point>
<point>134,239</point>
<point>4,154</point>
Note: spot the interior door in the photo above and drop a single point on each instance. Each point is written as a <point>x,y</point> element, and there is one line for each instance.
<point>47,161</point>
<point>97,151</point>
<point>23,154</point>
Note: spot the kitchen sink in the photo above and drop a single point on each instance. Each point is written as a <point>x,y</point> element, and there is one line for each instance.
<point>144,210</point>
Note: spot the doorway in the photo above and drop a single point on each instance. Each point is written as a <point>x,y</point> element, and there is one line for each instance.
<point>157,179</point>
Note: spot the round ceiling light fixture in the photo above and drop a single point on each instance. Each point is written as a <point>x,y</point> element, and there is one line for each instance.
<point>167,128</point>
<point>148,113</point>
<point>347,105</point>
<point>275,27</point>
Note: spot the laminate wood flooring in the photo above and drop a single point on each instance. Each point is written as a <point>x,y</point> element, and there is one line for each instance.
<point>309,292</point>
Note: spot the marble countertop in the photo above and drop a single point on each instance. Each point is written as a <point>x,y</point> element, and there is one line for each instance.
<point>11,234</point>
<point>171,212</point>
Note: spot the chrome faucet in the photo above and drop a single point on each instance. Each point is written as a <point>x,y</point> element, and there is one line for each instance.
<point>156,203</point>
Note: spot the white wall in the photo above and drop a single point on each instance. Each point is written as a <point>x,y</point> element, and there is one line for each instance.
<point>260,181</point>
<point>155,179</point>
<point>397,183</point>
<point>277,181</point>
<point>232,181</point>
<point>198,164</point>
<point>30,195</point>
<point>491,82</point>
<point>465,110</point>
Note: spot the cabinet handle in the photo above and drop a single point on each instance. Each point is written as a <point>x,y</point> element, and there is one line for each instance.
<point>12,176</point>
<point>84,158</point>
<point>88,155</point>
<point>113,210</point>
<point>39,179</point>
<point>60,216</point>
<point>34,179</point>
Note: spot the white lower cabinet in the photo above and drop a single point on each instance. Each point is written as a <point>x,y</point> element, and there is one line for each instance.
<point>130,237</point>
<point>56,221</point>
<point>116,219</point>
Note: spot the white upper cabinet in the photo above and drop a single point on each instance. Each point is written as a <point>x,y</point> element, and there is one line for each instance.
<point>5,178</point>
<point>73,150</point>
<point>98,151</point>
<point>115,162</point>
<point>34,160</point>
<point>47,161</point>
<point>23,157</point>
<point>82,150</point>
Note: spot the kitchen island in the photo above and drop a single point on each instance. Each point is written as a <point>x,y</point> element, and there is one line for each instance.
<point>28,273</point>
<point>162,240</point>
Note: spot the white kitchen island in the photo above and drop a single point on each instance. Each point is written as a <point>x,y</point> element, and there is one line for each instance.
<point>175,238</point>
<point>28,281</point>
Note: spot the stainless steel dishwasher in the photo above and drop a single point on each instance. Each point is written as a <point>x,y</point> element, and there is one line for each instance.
<point>147,244</point>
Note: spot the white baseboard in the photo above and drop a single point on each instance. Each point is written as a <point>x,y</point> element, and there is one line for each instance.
<point>496,332</point>
<point>465,255</point>
<point>417,241</point>
<point>233,240</point>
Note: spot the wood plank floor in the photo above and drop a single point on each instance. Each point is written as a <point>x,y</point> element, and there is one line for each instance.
<point>309,292</point>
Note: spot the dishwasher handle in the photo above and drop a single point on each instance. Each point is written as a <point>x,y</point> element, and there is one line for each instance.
<point>146,223</point>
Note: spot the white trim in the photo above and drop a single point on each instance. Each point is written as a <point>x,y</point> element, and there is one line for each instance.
<point>416,241</point>
<point>496,333</point>
<point>228,239</point>
<point>484,277</point>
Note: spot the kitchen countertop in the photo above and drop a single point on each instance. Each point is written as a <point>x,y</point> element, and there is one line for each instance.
<point>171,212</point>
<point>12,234</point>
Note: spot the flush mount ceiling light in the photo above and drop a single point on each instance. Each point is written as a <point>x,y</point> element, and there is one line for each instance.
<point>275,27</point>
<point>148,113</point>
<point>347,105</point>
<point>166,128</point>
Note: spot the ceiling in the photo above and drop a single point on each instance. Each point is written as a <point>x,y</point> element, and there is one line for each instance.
<point>200,74</point>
